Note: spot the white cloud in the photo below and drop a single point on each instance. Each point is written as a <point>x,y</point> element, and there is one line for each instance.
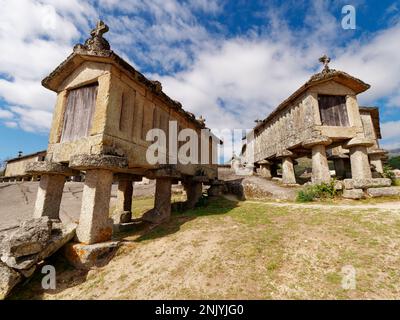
<point>230,81</point>
<point>5,114</point>
<point>391,130</point>
<point>36,36</point>
<point>11,124</point>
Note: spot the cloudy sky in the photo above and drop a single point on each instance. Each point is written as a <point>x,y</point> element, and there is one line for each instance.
<point>230,61</point>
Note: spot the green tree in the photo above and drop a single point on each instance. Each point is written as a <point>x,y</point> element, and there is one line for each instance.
<point>394,162</point>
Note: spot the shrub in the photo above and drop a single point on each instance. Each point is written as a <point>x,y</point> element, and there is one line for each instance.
<point>388,173</point>
<point>318,191</point>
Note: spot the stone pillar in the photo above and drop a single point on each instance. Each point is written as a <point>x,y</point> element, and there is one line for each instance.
<point>288,176</point>
<point>124,199</point>
<point>162,202</point>
<point>360,167</point>
<point>194,191</point>
<point>265,169</point>
<point>49,196</point>
<point>320,168</point>
<point>94,222</point>
<point>376,161</point>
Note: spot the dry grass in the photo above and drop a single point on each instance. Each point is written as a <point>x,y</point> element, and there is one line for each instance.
<point>245,250</point>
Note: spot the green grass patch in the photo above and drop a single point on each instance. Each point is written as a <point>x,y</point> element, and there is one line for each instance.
<point>317,191</point>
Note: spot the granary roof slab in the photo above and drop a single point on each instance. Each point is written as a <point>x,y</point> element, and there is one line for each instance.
<point>97,49</point>
<point>357,85</point>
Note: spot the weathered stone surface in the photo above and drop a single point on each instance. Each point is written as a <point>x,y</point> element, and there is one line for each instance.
<point>358,141</point>
<point>20,263</point>
<point>194,191</point>
<point>354,194</point>
<point>320,168</point>
<point>30,238</point>
<point>216,190</point>
<point>383,192</point>
<point>320,140</point>
<point>288,176</point>
<point>366,183</point>
<point>49,196</point>
<point>60,235</point>
<point>83,256</point>
<point>8,279</point>
<point>360,167</point>
<point>123,217</point>
<point>86,161</point>
<point>48,167</point>
<point>124,195</point>
<point>27,273</point>
<point>162,203</point>
<point>339,185</point>
<point>94,222</point>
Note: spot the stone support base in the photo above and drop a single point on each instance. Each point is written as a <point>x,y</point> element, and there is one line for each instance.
<point>94,223</point>
<point>288,176</point>
<point>124,199</point>
<point>162,202</point>
<point>320,168</point>
<point>376,161</point>
<point>49,196</point>
<point>194,191</point>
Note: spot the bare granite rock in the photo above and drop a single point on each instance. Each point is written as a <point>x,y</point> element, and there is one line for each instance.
<point>354,194</point>
<point>30,238</point>
<point>87,256</point>
<point>383,192</point>
<point>8,279</point>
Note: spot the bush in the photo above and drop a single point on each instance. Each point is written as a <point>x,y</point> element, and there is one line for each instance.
<point>388,173</point>
<point>318,191</point>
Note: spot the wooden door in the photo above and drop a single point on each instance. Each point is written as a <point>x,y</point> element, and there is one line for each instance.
<point>333,110</point>
<point>79,112</point>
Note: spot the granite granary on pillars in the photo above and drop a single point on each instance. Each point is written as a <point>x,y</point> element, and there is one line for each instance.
<point>103,113</point>
<point>323,121</point>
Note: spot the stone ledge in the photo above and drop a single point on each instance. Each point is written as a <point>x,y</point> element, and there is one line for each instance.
<point>366,183</point>
<point>309,143</point>
<point>107,162</point>
<point>354,194</point>
<point>383,192</point>
<point>164,172</point>
<point>378,152</point>
<point>47,167</point>
<point>284,154</point>
<point>358,141</point>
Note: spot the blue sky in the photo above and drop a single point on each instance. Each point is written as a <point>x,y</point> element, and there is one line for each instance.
<point>230,61</point>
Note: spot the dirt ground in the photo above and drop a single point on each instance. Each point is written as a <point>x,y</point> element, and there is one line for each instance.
<point>245,250</point>
<point>230,249</point>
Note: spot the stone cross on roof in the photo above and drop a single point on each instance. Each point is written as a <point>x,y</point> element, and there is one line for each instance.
<point>101,28</point>
<point>325,60</point>
<point>96,44</point>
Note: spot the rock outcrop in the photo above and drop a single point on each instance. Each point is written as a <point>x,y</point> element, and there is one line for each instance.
<point>23,248</point>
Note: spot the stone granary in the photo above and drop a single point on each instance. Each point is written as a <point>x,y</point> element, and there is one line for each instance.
<point>15,167</point>
<point>321,119</point>
<point>103,112</point>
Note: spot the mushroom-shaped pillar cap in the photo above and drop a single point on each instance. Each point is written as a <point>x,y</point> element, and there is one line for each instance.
<point>358,141</point>
<point>285,154</point>
<point>321,140</point>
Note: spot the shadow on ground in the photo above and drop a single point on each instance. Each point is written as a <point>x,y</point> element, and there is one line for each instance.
<point>68,277</point>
